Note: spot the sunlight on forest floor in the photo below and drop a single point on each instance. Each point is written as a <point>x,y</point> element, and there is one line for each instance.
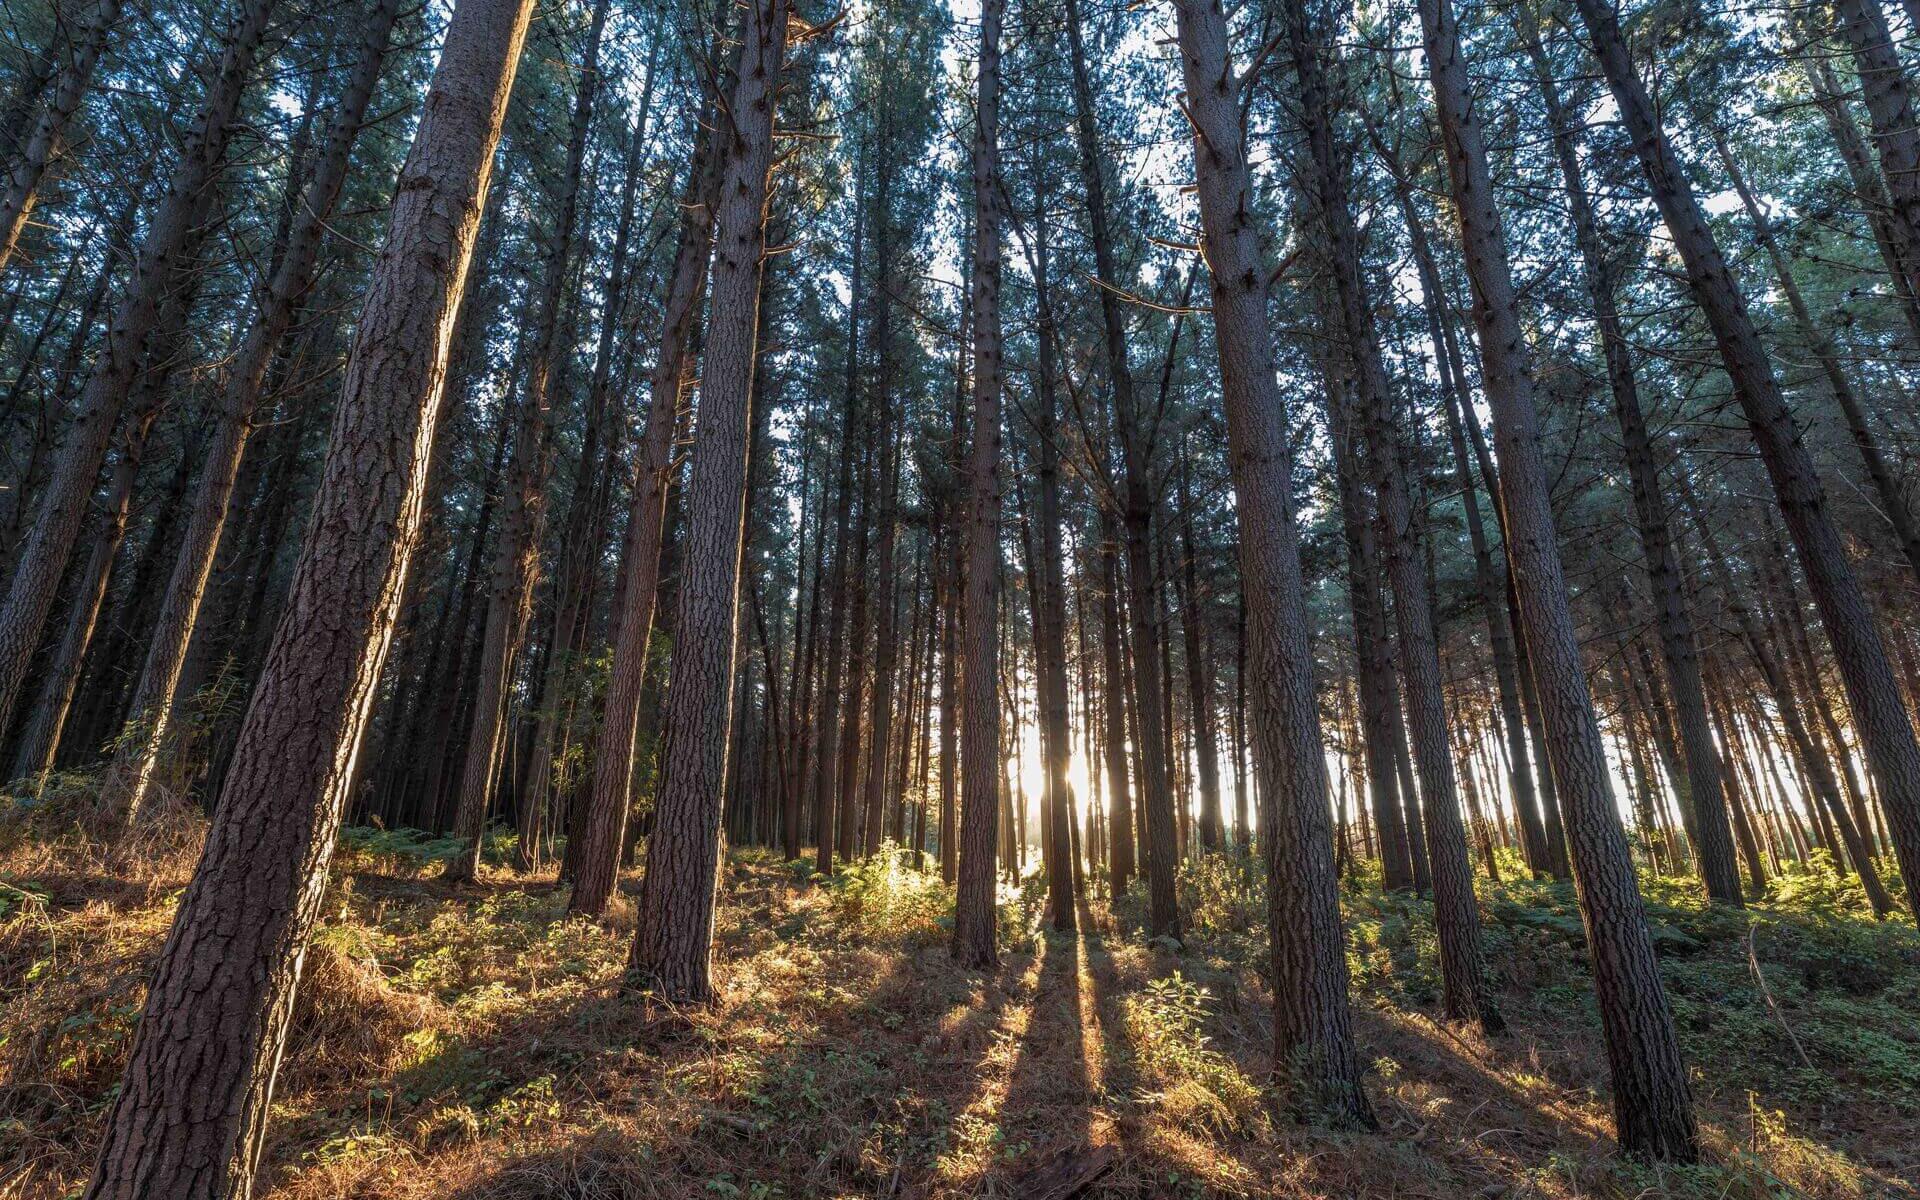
<point>468,1043</point>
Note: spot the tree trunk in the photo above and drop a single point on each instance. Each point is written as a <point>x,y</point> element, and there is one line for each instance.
<point>48,138</point>
<point>1653,1109</point>
<point>673,944</point>
<point>1199,681</point>
<point>125,786</point>
<point>1156,801</point>
<point>1376,681</point>
<point>1893,500</point>
<point>1050,629</point>
<point>1120,861</point>
<point>583,532</point>
<point>1889,235</point>
<point>975,915</point>
<point>1466,994</point>
<point>1702,791</point>
<point>595,859</point>
<point>61,673</point>
<point>190,1118</point>
<point>524,508</point>
<point>1313,1032</point>
<point>1500,633</point>
<point>1890,112</point>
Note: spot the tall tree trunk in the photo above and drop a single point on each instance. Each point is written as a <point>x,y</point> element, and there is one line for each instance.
<point>1653,1107</point>
<point>61,673</point>
<point>1823,789</point>
<point>884,448</point>
<point>673,944</point>
<point>583,533</point>
<point>190,1118</point>
<point>1050,630</point>
<point>975,915</point>
<point>1156,800</point>
<point>1376,680</point>
<point>524,509</point>
<point>1890,112</point>
<point>1120,861</point>
<point>1894,505</point>
<point>1873,694</point>
<point>1206,743</point>
<point>1890,236</point>
<point>1535,841</point>
<point>1313,1030</point>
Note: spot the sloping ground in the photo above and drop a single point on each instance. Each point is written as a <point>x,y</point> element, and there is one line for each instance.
<point>459,1044</point>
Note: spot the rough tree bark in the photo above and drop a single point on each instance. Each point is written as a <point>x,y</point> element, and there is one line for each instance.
<point>1653,1108</point>
<point>594,862</point>
<point>975,917</point>
<point>672,947</point>
<point>1314,1050</point>
<point>190,1118</point>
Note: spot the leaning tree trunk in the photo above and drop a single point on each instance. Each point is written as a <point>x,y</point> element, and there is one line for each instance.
<point>1199,680</point>
<point>975,914</point>
<point>60,675</point>
<point>1891,116</point>
<point>1535,841</point>
<point>1889,235</point>
<point>1652,1104</point>
<point>1894,506</point>
<point>673,944</point>
<point>584,534</point>
<point>1313,1025</point>
<point>63,505</point>
<point>1873,692</point>
<point>1050,627</point>
<point>1372,648</point>
<point>1825,800</point>
<point>1113,680</point>
<point>190,1119</point>
<point>125,787</point>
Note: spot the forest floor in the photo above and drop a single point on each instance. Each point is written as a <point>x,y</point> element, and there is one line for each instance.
<point>470,1042</point>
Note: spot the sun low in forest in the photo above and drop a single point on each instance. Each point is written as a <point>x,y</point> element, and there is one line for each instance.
<point>459,1041</point>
